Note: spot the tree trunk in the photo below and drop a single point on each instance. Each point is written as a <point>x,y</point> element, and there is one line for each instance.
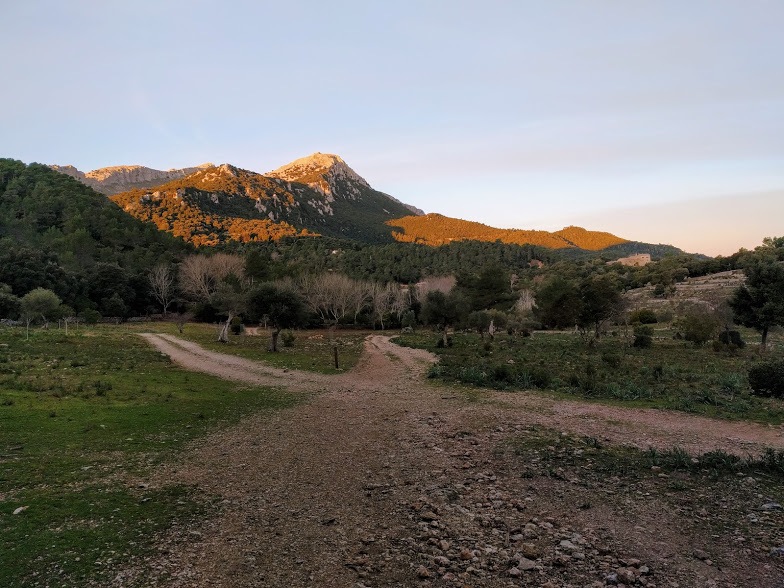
<point>274,341</point>
<point>223,337</point>
<point>764,343</point>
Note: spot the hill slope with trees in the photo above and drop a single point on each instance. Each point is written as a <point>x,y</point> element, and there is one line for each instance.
<point>59,234</point>
<point>224,203</point>
<point>436,229</point>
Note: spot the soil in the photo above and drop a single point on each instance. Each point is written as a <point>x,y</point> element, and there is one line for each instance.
<point>379,478</point>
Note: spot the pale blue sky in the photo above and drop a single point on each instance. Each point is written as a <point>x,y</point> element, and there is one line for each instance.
<point>520,114</point>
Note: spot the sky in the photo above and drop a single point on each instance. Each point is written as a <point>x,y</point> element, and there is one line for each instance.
<point>659,121</point>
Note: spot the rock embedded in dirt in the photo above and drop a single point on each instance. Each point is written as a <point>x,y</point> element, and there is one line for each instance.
<point>769,506</point>
<point>526,564</point>
<point>700,554</point>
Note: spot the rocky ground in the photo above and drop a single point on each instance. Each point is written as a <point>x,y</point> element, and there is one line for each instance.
<point>380,479</point>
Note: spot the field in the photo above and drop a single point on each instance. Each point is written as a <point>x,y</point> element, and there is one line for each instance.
<point>124,468</point>
<point>84,420</point>
<point>672,374</point>
<point>311,350</point>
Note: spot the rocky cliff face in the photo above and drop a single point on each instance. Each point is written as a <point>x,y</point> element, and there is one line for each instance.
<point>331,176</point>
<point>323,172</point>
<point>120,178</point>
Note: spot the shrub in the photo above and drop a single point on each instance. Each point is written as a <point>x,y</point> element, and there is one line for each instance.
<point>698,325</point>
<point>643,316</point>
<point>287,338</point>
<point>236,325</point>
<point>732,383</point>
<point>540,377</point>
<point>643,336</point>
<point>766,378</point>
<point>408,320</point>
<point>440,342</point>
<point>612,359</point>
<point>91,316</point>
<point>504,374</point>
<point>732,338</point>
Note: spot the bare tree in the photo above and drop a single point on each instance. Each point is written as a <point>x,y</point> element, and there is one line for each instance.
<point>329,295</point>
<point>435,284</point>
<point>359,295</point>
<point>200,275</point>
<point>161,279</point>
<point>401,301</point>
<point>219,279</point>
<point>383,299</point>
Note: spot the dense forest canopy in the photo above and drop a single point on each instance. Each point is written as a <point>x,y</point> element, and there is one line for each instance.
<point>58,234</point>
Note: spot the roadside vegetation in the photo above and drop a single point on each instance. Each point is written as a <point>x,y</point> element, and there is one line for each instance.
<point>671,374</point>
<point>84,420</point>
<point>309,350</point>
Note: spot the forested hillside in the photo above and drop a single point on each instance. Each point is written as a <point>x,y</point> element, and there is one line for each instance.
<point>436,229</point>
<point>59,234</point>
<point>224,203</point>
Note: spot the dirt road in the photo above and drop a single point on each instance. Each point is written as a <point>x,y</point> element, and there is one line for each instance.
<point>380,479</point>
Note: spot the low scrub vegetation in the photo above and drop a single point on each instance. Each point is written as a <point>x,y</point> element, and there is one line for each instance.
<point>766,378</point>
<point>551,450</point>
<point>665,373</point>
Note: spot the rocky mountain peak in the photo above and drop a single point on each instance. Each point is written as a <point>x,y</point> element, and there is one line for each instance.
<point>119,178</point>
<point>321,171</point>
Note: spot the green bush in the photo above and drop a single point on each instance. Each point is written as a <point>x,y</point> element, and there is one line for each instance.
<point>236,325</point>
<point>643,336</point>
<point>644,316</point>
<point>698,325</point>
<point>287,338</point>
<point>766,378</point>
<point>91,316</point>
<point>732,339</point>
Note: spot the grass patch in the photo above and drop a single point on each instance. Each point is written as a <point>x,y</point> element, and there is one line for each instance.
<point>547,451</point>
<point>81,418</point>
<point>671,374</point>
<point>311,350</point>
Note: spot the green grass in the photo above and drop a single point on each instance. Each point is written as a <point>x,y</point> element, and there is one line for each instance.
<point>546,450</point>
<point>672,374</point>
<point>82,419</point>
<point>312,350</point>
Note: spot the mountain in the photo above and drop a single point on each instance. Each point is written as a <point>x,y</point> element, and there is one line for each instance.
<point>119,178</point>
<point>436,229</point>
<point>315,195</point>
<point>327,173</point>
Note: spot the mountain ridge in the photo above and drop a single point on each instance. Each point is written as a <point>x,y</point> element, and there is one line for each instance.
<point>315,195</point>
<point>119,178</point>
<point>436,229</point>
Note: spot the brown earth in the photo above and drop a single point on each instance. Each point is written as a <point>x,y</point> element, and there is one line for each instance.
<point>380,479</point>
